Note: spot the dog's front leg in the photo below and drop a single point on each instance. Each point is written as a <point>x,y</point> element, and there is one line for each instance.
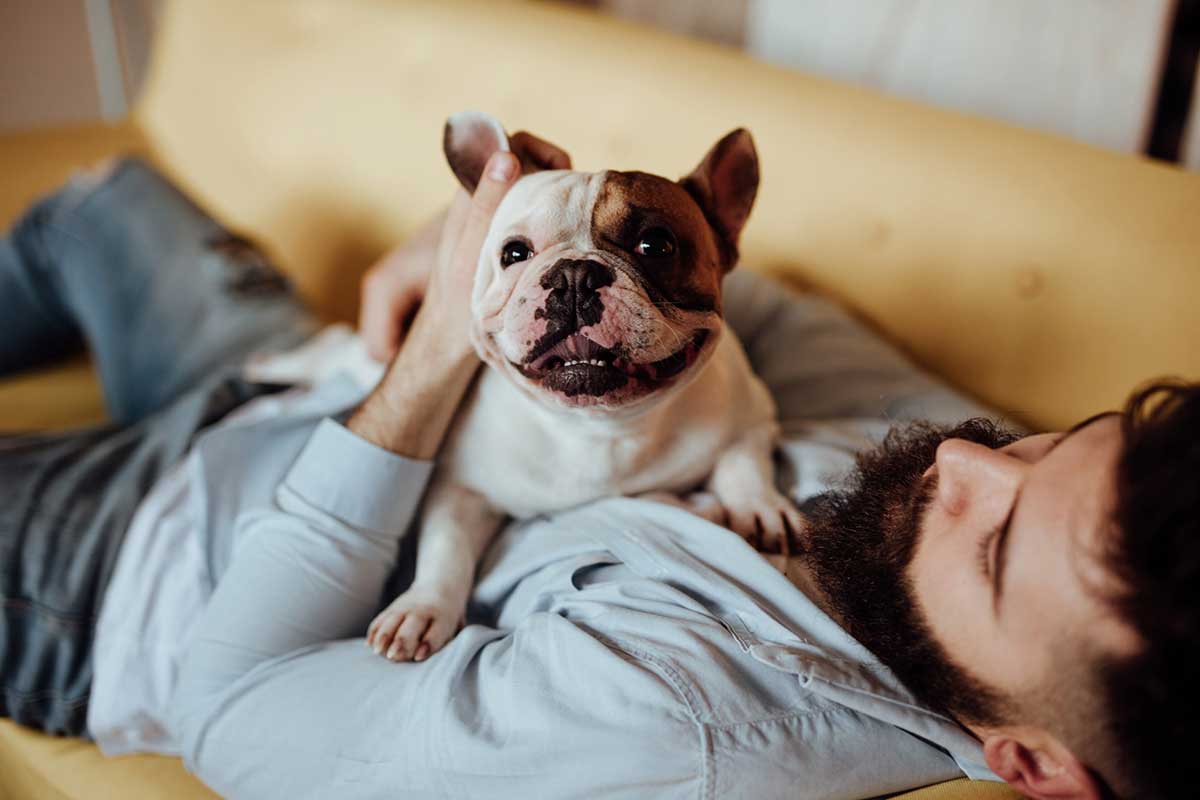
<point>743,482</point>
<point>456,525</point>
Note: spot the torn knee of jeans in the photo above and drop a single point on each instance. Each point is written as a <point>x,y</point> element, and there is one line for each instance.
<point>249,271</point>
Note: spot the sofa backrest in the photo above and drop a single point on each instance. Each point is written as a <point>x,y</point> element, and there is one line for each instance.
<point>1044,276</point>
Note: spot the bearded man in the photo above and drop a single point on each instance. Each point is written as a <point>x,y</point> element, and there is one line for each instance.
<point>197,577</point>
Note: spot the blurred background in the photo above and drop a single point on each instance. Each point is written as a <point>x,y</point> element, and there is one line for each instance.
<point>1120,74</point>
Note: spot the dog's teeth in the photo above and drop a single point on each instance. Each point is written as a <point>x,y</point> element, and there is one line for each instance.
<point>595,362</point>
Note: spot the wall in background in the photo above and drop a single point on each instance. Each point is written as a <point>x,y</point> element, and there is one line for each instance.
<point>46,71</point>
<point>1117,73</point>
<point>65,61</point>
<point>1085,68</point>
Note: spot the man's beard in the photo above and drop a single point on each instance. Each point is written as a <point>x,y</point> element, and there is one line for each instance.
<point>859,545</point>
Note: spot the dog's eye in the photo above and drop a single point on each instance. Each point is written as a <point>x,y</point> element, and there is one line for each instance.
<point>513,251</point>
<point>655,243</point>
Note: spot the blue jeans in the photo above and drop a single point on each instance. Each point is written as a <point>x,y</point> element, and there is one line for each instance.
<point>170,305</point>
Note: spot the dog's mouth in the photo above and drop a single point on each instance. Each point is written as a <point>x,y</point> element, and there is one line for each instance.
<point>578,366</point>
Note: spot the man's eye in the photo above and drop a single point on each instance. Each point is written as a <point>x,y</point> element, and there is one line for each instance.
<point>655,243</point>
<point>983,555</point>
<point>513,251</point>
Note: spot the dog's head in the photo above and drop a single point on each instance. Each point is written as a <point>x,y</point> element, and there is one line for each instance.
<point>603,290</point>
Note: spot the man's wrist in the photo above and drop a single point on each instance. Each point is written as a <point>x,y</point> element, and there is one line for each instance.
<point>411,409</point>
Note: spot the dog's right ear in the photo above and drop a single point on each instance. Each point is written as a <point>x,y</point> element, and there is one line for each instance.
<point>469,140</point>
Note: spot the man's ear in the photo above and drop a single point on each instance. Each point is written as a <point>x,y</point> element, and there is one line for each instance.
<point>724,186</point>
<point>469,139</point>
<point>1039,766</point>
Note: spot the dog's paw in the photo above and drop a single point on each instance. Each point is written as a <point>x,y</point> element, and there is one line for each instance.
<point>766,519</point>
<point>415,625</point>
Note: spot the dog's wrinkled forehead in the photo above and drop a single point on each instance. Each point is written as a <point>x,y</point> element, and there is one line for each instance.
<point>548,207</point>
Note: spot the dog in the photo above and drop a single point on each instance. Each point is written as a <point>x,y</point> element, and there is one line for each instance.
<point>596,309</point>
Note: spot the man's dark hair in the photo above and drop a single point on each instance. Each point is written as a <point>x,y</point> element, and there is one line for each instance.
<point>1152,698</point>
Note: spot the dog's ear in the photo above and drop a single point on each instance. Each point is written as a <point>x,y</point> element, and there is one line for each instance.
<point>469,140</point>
<point>724,186</point>
<point>538,154</point>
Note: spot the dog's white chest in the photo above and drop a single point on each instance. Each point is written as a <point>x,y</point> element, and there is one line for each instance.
<point>528,460</point>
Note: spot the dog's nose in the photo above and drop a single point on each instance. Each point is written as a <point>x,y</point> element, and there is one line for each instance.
<point>574,286</point>
<point>577,276</point>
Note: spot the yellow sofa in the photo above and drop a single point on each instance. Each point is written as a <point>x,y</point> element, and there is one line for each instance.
<point>1044,276</point>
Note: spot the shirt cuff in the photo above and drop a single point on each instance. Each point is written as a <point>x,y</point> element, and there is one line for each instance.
<point>361,484</point>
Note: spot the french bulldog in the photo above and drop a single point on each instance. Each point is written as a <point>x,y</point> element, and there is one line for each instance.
<point>596,309</point>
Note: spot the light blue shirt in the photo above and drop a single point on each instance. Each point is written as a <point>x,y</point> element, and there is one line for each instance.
<point>621,649</point>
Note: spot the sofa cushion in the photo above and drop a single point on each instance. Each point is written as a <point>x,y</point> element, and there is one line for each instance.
<point>33,765</point>
<point>1044,276</point>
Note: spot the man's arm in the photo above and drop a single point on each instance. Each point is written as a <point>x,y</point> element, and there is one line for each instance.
<point>312,569</point>
<point>413,405</point>
<point>542,710</point>
<point>269,705</point>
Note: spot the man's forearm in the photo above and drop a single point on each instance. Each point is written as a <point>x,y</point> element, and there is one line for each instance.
<point>415,402</point>
<point>411,409</point>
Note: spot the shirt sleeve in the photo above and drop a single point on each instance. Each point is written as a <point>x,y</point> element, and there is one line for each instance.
<point>356,482</point>
<point>270,703</point>
<point>308,570</point>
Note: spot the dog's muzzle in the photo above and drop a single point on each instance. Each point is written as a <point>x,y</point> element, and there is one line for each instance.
<point>574,300</point>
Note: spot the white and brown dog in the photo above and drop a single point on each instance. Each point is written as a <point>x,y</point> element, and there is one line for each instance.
<point>597,310</point>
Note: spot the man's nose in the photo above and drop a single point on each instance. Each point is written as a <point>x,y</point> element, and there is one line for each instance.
<point>574,286</point>
<point>973,479</point>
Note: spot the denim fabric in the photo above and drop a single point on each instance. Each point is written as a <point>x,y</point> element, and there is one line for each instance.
<point>170,304</point>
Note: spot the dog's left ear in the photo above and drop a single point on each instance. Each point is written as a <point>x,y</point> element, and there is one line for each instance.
<point>724,185</point>
<point>469,140</point>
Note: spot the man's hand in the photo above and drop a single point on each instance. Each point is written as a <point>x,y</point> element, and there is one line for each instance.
<point>393,288</point>
<point>411,408</point>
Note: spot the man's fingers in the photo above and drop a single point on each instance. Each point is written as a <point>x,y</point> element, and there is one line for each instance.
<point>387,302</point>
<point>499,174</point>
<point>375,320</point>
<point>456,218</point>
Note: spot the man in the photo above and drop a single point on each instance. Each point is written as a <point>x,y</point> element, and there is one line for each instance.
<point>969,597</point>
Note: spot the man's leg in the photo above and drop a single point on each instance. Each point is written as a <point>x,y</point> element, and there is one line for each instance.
<point>171,305</point>
<point>66,501</point>
<point>164,296</point>
<point>36,328</point>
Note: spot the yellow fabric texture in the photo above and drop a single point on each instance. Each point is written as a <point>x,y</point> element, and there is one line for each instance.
<point>1044,276</point>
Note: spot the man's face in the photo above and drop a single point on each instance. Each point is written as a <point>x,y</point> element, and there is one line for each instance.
<point>1008,569</point>
<point>967,559</point>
